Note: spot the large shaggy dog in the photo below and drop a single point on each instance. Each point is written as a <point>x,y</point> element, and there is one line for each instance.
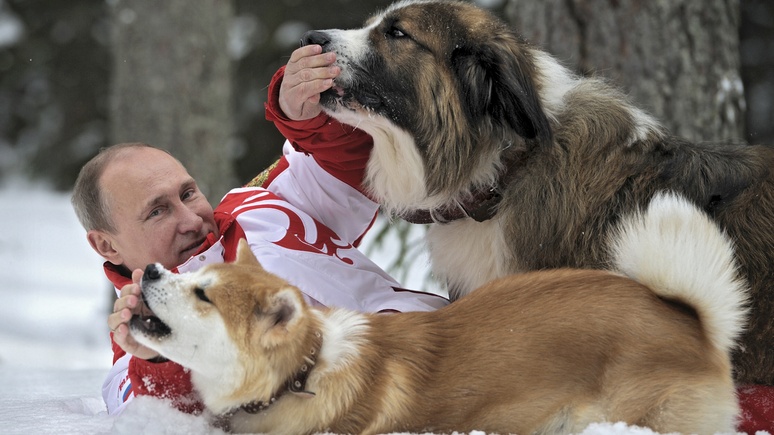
<point>523,165</point>
<point>544,352</point>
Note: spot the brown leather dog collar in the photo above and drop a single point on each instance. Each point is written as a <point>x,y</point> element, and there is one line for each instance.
<point>482,203</point>
<point>295,384</point>
<point>481,206</point>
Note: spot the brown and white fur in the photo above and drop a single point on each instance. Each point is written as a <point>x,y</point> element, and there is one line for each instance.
<point>545,352</point>
<point>457,103</point>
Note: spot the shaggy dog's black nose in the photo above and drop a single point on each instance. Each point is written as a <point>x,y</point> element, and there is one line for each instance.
<point>316,37</point>
<point>151,273</point>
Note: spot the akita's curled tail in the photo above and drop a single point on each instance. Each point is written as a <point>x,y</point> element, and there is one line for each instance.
<point>676,250</point>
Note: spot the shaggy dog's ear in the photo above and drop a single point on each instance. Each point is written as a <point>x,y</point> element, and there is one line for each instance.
<point>496,80</point>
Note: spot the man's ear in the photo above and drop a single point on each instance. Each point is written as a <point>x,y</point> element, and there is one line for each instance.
<point>102,244</point>
<point>245,255</point>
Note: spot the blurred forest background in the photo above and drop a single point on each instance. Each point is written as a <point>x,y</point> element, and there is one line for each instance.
<point>191,75</point>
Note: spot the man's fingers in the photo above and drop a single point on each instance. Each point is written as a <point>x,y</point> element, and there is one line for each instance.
<point>130,289</point>
<point>133,347</point>
<point>128,301</point>
<point>115,322</point>
<point>310,67</point>
<point>308,73</point>
<point>137,276</point>
<point>310,56</point>
<point>124,308</point>
<point>314,76</point>
<point>118,318</point>
<point>314,99</point>
<point>305,51</point>
<point>300,101</point>
<point>303,91</point>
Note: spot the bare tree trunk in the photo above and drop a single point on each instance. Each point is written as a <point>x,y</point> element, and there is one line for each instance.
<point>678,59</point>
<point>171,84</point>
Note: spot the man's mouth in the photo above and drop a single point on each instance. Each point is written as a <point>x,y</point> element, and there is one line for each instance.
<point>190,249</point>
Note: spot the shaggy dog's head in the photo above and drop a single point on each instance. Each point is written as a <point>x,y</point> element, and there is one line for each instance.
<point>227,323</point>
<point>442,86</point>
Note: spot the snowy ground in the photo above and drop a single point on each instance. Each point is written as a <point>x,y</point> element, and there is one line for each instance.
<point>54,348</point>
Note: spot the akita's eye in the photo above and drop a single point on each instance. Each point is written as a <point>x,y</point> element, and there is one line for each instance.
<point>200,294</point>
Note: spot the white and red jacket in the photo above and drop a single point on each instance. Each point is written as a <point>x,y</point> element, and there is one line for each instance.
<point>303,224</point>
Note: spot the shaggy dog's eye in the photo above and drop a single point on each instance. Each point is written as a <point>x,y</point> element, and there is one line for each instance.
<point>394,32</point>
<point>200,294</point>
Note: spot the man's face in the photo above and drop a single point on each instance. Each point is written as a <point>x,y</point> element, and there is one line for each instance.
<point>157,209</point>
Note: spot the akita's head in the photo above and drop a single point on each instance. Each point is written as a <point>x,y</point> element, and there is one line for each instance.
<point>241,330</point>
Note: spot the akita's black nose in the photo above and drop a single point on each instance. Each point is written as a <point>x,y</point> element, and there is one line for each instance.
<point>151,273</point>
<point>316,37</point>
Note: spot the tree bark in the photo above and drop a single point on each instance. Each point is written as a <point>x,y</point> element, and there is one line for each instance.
<point>171,84</point>
<point>677,59</point>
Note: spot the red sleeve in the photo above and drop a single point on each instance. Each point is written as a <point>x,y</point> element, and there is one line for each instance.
<point>340,149</point>
<point>167,380</point>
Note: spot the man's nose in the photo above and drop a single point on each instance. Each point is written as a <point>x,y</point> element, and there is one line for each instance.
<point>190,221</point>
<point>152,273</point>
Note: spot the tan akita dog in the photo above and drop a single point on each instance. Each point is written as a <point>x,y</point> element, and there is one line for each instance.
<point>542,352</point>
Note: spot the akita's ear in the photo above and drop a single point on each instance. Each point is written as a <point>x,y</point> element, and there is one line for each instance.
<point>496,80</point>
<point>245,255</point>
<point>286,306</point>
<point>280,314</point>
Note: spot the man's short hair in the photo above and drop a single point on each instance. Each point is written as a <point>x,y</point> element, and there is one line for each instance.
<point>90,204</point>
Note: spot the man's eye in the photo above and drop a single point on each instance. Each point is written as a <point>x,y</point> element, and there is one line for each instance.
<point>187,194</point>
<point>155,212</point>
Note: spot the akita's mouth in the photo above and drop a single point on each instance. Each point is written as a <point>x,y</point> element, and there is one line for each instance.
<point>151,326</point>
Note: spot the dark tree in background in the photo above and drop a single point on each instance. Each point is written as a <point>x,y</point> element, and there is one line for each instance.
<point>757,51</point>
<point>678,59</point>
<point>171,83</point>
<point>54,69</point>
<point>675,59</point>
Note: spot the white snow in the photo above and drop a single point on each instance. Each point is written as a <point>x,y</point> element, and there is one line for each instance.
<point>54,346</point>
